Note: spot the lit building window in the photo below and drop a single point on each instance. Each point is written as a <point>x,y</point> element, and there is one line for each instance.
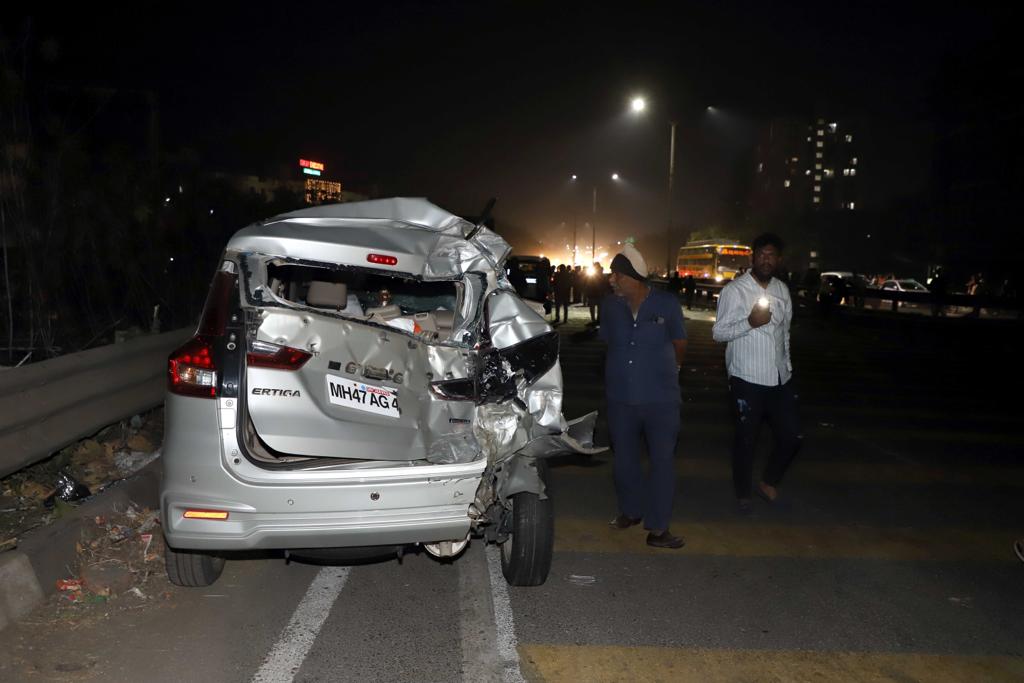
<point>796,159</point>
<point>817,188</point>
<point>808,139</point>
<point>760,168</point>
<point>818,155</point>
<point>820,132</point>
<point>846,171</point>
<point>821,121</point>
<point>853,171</point>
<point>817,178</point>
<point>820,143</point>
<point>853,161</point>
<point>829,173</point>
<point>851,206</point>
<point>849,138</point>
<point>817,167</point>
<point>786,183</point>
<point>817,200</point>
<point>832,127</point>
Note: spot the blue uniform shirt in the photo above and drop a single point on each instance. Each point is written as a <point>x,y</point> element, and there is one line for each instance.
<point>641,363</point>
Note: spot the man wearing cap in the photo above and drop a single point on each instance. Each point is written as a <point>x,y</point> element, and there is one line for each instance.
<point>646,339</point>
<point>754,315</point>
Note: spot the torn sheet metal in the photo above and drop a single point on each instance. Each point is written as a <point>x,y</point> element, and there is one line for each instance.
<point>428,241</point>
<point>511,320</point>
<point>458,403</point>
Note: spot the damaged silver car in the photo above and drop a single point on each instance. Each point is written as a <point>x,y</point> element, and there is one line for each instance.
<point>364,375</point>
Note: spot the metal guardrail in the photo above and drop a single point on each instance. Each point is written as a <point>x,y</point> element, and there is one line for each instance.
<point>48,405</point>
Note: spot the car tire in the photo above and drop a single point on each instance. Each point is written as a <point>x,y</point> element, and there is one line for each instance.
<point>191,570</point>
<point>526,555</point>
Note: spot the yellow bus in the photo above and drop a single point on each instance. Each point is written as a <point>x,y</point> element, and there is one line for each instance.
<point>712,260</point>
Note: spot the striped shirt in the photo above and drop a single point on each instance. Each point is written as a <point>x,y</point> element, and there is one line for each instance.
<point>758,355</point>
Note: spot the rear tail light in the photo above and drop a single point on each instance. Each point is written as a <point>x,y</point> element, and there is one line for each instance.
<point>266,355</point>
<point>190,370</point>
<point>383,259</point>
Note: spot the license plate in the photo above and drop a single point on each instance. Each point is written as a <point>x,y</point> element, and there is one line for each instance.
<point>362,396</point>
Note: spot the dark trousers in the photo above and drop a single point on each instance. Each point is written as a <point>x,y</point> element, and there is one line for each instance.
<point>753,403</point>
<point>561,307</point>
<point>657,424</point>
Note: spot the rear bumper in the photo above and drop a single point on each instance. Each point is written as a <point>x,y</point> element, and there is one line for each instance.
<point>295,509</point>
<point>249,528</point>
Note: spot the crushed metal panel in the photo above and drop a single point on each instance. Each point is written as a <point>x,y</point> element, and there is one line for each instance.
<point>429,241</point>
<point>511,320</point>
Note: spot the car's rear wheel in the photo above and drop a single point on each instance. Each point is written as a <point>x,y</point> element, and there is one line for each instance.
<point>190,569</point>
<point>526,555</point>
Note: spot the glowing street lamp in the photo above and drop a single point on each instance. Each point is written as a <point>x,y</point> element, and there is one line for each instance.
<point>638,104</point>
<point>615,176</point>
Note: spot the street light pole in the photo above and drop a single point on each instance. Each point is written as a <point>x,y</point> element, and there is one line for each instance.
<point>671,177</point>
<point>574,217</point>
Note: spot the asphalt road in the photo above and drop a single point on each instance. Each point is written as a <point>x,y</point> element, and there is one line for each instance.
<point>888,557</point>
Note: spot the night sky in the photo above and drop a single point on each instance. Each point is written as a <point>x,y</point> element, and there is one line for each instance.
<point>462,101</point>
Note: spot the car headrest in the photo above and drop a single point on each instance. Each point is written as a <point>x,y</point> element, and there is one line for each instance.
<point>327,294</point>
<point>445,319</point>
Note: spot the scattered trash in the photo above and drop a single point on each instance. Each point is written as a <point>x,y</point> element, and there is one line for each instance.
<point>68,490</point>
<point>582,580</point>
<point>9,544</point>
<point>147,540</point>
<point>138,593</point>
<point>129,462</point>
<point>70,589</point>
<point>69,584</point>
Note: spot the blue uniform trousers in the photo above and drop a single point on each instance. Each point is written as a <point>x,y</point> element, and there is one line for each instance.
<point>657,424</point>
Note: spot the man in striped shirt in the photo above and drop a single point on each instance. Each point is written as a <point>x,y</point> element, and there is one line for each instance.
<point>754,315</point>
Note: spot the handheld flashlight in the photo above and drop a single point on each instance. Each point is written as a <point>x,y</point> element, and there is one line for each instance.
<point>763,302</point>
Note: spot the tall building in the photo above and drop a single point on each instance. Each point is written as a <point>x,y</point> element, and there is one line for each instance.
<point>807,166</point>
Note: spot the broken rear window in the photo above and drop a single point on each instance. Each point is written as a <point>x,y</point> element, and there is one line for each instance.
<point>401,302</point>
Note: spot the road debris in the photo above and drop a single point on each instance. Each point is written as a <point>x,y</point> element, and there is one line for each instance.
<point>38,495</point>
<point>118,565</point>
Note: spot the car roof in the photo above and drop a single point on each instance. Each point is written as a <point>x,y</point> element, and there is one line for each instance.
<point>427,240</point>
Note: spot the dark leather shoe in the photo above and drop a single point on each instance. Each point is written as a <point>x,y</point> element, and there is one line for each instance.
<point>664,540</point>
<point>624,522</point>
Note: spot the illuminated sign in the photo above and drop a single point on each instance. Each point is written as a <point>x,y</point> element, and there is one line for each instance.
<point>312,165</point>
<point>310,171</point>
<point>734,252</point>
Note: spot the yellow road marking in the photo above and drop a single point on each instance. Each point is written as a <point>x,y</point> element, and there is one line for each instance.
<point>753,539</point>
<point>599,664</point>
<point>847,472</point>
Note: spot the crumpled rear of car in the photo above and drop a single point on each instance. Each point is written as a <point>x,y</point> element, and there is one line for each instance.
<point>369,378</point>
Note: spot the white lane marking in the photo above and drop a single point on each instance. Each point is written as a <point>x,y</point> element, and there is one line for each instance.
<point>476,617</point>
<point>288,653</point>
<point>508,653</point>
